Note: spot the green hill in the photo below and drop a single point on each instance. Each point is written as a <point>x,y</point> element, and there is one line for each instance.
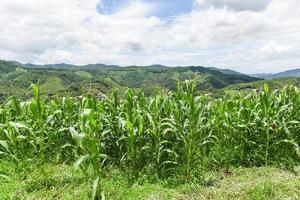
<point>62,79</point>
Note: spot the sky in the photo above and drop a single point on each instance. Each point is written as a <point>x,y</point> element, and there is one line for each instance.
<point>250,36</point>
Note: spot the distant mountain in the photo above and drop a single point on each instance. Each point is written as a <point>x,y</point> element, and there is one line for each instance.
<point>262,75</point>
<point>8,66</point>
<point>226,71</point>
<point>285,74</point>
<point>55,66</point>
<point>62,79</point>
<point>157,67</point>
<point>70,66</point>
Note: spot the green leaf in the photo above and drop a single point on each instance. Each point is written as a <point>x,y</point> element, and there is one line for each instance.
<point>95,189</point>
<point>21,137</point>
<point>266,88</point>
<point>4,144</point>
<point>79,161</point>
<point>4,176</point>
<point>18,125</point>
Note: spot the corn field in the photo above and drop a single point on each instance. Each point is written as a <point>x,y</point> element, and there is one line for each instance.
<point>170,132</point>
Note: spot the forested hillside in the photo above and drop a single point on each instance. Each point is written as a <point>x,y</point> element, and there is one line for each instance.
<point>99,79</point>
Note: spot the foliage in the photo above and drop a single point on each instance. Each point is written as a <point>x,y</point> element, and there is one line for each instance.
<point>63,79</point>
<point>170,133</point>
<point>273,85</point>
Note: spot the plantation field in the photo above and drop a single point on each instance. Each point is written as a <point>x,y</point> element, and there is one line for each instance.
<point>171,145</point>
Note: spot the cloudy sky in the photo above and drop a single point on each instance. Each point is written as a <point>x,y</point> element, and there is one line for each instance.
<point>246,35</point>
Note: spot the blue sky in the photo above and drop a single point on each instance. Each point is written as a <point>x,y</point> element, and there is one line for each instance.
<point>249,36</point>
<point>165,9</point>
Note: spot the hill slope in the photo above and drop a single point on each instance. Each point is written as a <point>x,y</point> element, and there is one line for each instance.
<point>15,78</point>
<point>273,85</point>
<point>226,71</point>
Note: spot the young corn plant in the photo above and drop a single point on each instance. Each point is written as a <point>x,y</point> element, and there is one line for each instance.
<point>89,148</point>
<point>115,126</point>
<point>37,119</point>
<point>134,115</point>
<point>158,131</point>
<point>190,126</point>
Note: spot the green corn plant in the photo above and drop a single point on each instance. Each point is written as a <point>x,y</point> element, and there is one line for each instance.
<point>37,108</point>
<point>131,116</point>
<point>190,126</point>
<point>264,100</point>
<point>16,141</point>
<point>88,145</point>
<point>244,138</point>
<point>89,149</point>
<point>112,107</point>
<point>159,127</point>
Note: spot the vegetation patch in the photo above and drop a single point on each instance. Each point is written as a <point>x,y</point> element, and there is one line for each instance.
<point>84,74</point>
<point>171,145</point>
<point>53,85</point>
<point>58,181</point>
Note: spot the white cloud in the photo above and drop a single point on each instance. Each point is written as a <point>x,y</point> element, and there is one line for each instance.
<point>237,5</point>
<point>274,48</point>
<point>263,35</point>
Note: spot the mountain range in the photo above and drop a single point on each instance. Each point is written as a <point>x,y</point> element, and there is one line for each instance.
<point>62,79</point>
<point>285,74</point>
<point>99,79</point>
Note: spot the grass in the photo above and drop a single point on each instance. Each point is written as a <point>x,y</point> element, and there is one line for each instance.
<point>58,181</point>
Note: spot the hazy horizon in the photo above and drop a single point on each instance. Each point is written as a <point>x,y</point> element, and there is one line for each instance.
<point>43,64</point>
